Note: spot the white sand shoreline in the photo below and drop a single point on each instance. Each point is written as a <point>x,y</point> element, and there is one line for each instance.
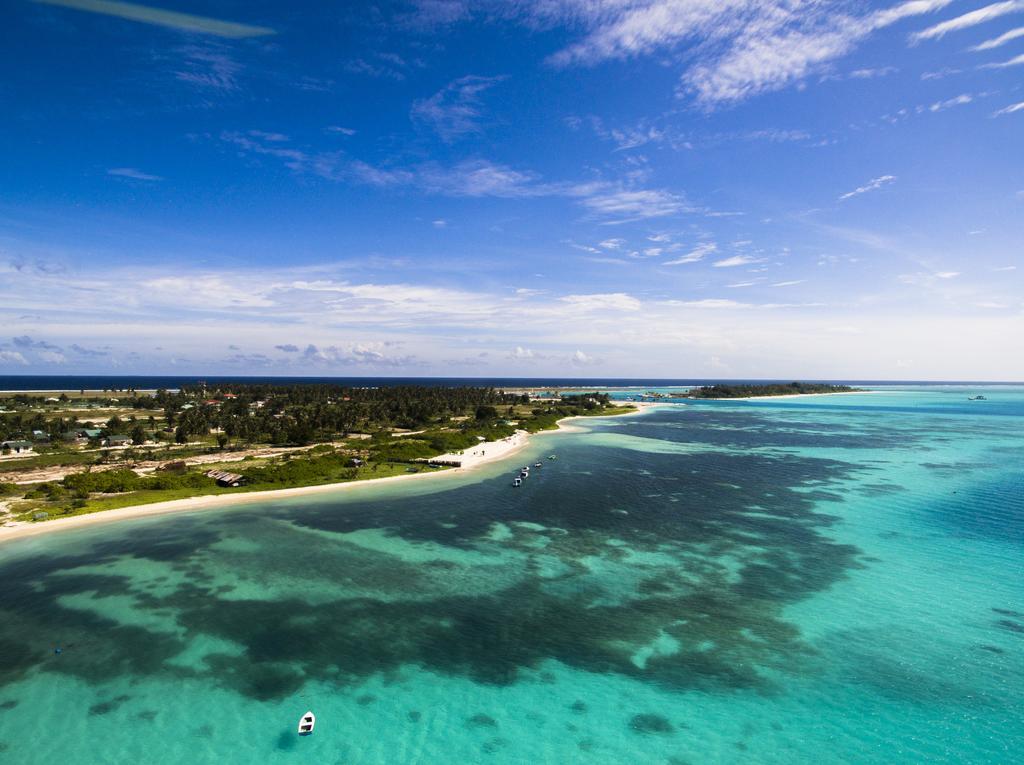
<point>486,453</point>
<point>793,395</point>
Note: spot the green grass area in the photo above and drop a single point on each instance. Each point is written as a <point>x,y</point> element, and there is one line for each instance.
<point>49,459</point>
<point>65,508</point>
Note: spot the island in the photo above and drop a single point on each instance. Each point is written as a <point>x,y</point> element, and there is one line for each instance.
<point>751,390</point>
<point>73,453</point>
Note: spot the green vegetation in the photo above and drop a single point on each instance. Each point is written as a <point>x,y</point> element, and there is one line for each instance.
<point>320,434</point>
<point>768,389</point>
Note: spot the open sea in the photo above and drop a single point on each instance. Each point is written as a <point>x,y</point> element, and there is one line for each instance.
<point>833,579</point>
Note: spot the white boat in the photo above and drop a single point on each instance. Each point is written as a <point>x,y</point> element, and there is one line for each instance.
<point>306,724</point>
<point>539,464</point>
<point>517,481</point>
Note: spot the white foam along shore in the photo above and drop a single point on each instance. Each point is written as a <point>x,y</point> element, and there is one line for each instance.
<point>471,459</point>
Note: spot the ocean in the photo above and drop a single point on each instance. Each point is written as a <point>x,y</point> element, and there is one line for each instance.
<point>14,383</point>
<point>832,579</point>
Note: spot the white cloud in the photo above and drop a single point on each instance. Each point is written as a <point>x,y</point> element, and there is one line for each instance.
<point>340,130</point>
<point>612,244</point>
<point>608,301</point>
<point>629,204</point>
<point>738,48</point>
<point>456,109</point>
<point>519,353</point>
<point>133,173</point>
<point>12,357</point>
<point>872,185</point>
<point>439,223</point>
<point>1015,61</point>
<point>209,67</point>
<point>714,303</point>
<point>939,106</point>
<point>1012,108</point>
<point>790,283</point>
<point>1005,268</point>
<point>159,17</point>
<point>997,42</point>
<point>697,253</point>
<point>947,274</point>
<point>735,260</point>
<point>356,354</point>
<point>967,20</point>
<point>581,359</point>
<point>869,74</point>
<point>480,178</point>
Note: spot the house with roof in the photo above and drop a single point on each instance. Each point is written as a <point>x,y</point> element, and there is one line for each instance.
<point>81,435</point>
<point>117,441</point>
<point>16,447</point>
<point>224,478</point>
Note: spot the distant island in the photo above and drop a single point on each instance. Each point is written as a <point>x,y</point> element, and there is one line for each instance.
<point>74,453</point>
<point>769,389</point>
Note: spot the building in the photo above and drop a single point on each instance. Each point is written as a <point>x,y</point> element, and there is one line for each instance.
<point>224,478</point>
<point>117,441</point>
<point>80,435</point>
<point>17,447</point>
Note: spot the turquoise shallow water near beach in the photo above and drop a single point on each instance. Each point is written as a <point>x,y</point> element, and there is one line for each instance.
<point>830,580</point>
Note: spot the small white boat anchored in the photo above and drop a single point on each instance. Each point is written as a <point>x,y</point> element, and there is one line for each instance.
<point>306,724</point>
<point>517,481</point>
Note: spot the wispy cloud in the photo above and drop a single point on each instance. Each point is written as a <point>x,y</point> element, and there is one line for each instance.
<point>133,173</point>
<point>735,260</point>
<point>276,145</point>
<point>608,301</point>
<point>1015,61</point>
<point>997,42</point>
<point>967,20</point>
<point>209,67</point>
<point>872,185</point>
<point>455,110</point>
<point>697,253</point>
<point>386,66</point>
<point>148,15</point>
<point>739,48</point>
<point>625,204</point>
<point>1012,108</point>
<point>961,100</point>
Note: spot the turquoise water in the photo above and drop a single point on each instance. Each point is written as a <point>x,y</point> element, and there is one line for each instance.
<point>829,580</point>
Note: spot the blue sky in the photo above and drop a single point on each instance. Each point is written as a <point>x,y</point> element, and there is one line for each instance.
<point>695,188</point>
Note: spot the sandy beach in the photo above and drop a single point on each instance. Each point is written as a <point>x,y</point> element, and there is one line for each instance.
<point>793,395</point>
<point>471,459</point>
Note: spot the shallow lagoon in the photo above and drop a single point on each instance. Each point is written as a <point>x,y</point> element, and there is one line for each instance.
<point>828,579</point>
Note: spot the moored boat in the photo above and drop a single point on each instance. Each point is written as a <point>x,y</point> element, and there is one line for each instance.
<point>306,724</point>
